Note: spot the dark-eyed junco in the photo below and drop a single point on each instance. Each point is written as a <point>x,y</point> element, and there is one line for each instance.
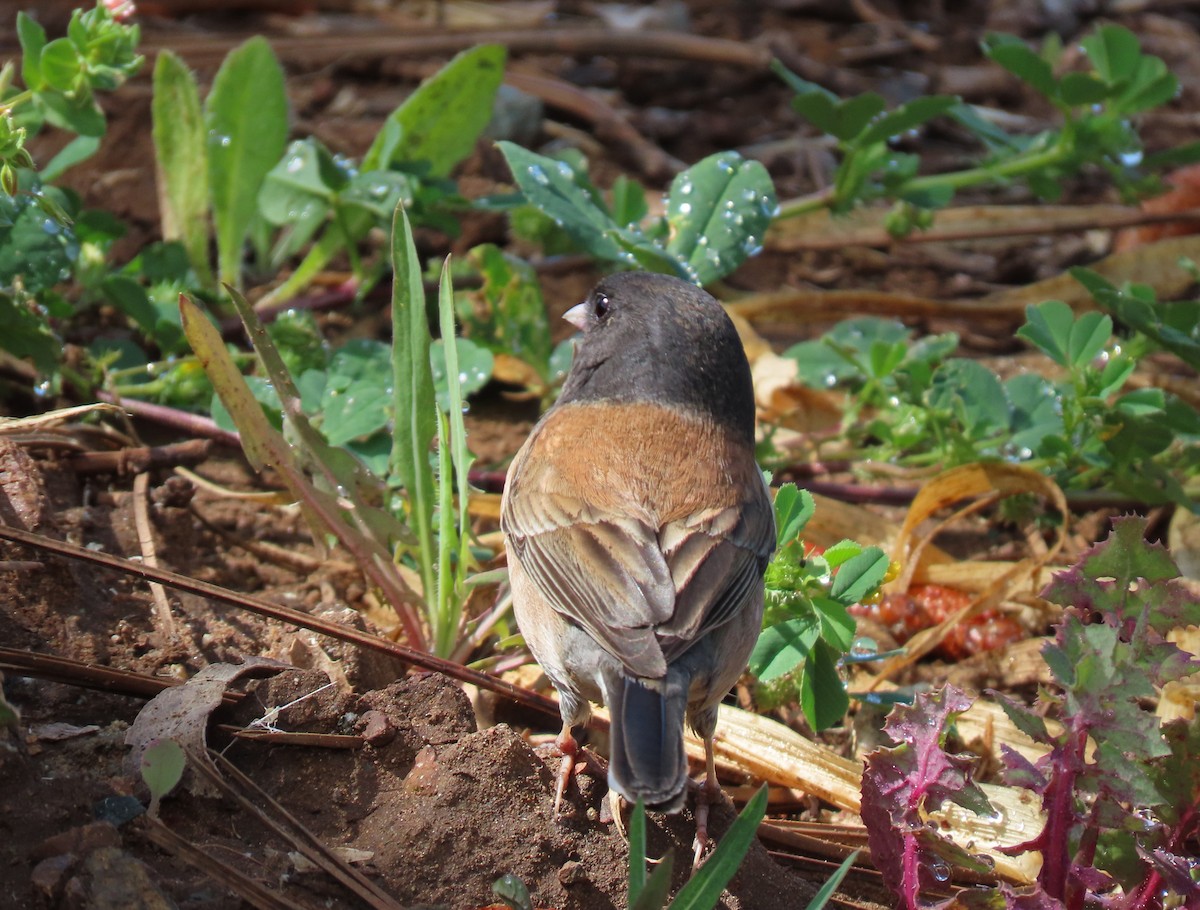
<point>638,527</point>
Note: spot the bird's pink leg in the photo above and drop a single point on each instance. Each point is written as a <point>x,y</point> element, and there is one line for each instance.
<point>710,791</point>
<point>566,744</point>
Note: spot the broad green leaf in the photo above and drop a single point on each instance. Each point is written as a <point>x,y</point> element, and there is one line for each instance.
<point>703,890</point>
<point>1015,56</point>
<point>38,248</point>
<point>33,40</point>
<point>78,112</point>
<point>907,117</point>
<point>823,696</point>
<point>854,114</point>
<point>628,201</point>
<point>1142,403</point>
<point>1036,412</point>
<point>1152,86</point>
<point>1114,52</point>
<point>474,369</point>
<point>1080,89</point>
<point>793,510</point>
<point>162,768</point>
<point>440,122</point>
<point>247,118</point>
<point>357,394</point>
<point>860,576</point>
<point>181,152</point>
<point>413,405</point>
<point>718,210</point>
<point>377,193</point>
<point>973,394</point>
<point>568,197</point>
<point>1089,335</point>
<point>61,66</point>
<point>301,186</point>
<point>1048,327</point>
<point>782,647</point>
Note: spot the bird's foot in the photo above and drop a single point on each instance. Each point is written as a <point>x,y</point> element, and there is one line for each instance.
<point>707,792</point>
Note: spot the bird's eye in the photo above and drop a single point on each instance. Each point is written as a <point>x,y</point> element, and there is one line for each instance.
<point>601,306</point>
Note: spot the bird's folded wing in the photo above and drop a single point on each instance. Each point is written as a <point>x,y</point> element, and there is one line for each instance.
<point>643,593</point>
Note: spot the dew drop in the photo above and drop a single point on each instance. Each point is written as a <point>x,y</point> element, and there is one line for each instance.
<point>539,176</point>
<point>685,208</point>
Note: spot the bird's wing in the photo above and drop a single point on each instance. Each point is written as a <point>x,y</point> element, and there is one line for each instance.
<point>643,592</point>
<point>717,558</point>
<point>604,571</point>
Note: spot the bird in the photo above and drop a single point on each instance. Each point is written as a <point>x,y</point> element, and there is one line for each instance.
<point>638,527</point>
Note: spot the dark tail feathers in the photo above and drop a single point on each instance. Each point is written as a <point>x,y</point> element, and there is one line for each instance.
<point>646,738</point>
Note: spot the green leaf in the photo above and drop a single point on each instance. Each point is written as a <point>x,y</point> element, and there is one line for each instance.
<point>78,149</point>
<point>973,394</point>
<point>440,122</point>
<point>1048,327</point>
<point>1035,413</point>
<point>302,186</point>
<point>507,313</point>
<point>908,116</point>
<point>637,852</point>
<point>793,510</point>
<point>413,404</point>
<point>356,396</point>
<point>823,895</point>
<point>474,369</point>
<point>1015,56</point>
<point>718,210</point>
<point>860,576</point>
<point>628,201</point>
<point>1079,89</point>
<point>181,150</point>
<point>39,249</point>
<point>162,767</point>
<point>784,646</point>
<point>1114,52</point>
<point>823,697</point>
<point>78,112</point>
<point>1088,336</point>
<point>703,890</point>
<point>33,40</point>
<point>247,118</point>
<point>377,193</point>
<point>566,196</point>
<point>1152,85</point>
<point>60,64</point>
<point>25,332</point>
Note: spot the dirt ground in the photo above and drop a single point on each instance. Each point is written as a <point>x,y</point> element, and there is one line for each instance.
<point>438,804</point>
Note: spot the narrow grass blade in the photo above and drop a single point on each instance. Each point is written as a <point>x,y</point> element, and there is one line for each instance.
<point>703,890</point>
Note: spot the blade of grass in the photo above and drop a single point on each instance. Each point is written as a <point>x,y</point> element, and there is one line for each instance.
<point>414,402</point>
<point>461,459</point>
<point>181,160</point>
<point>637,852</point>
<point>703,889</point>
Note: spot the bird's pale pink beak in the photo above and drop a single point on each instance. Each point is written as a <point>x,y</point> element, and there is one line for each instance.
<point>577,316</point>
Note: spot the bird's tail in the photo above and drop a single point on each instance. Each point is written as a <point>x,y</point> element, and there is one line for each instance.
<point>646,741</point>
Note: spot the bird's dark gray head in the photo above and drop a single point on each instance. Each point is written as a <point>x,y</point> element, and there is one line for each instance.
<point>654,338</point>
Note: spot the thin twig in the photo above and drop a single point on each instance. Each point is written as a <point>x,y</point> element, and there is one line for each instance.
<point>164,622</point>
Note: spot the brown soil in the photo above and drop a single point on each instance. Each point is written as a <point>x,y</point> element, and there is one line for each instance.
<point>440,805</point>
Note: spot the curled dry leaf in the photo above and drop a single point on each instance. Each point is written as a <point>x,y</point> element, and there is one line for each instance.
<point>181,713</point>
